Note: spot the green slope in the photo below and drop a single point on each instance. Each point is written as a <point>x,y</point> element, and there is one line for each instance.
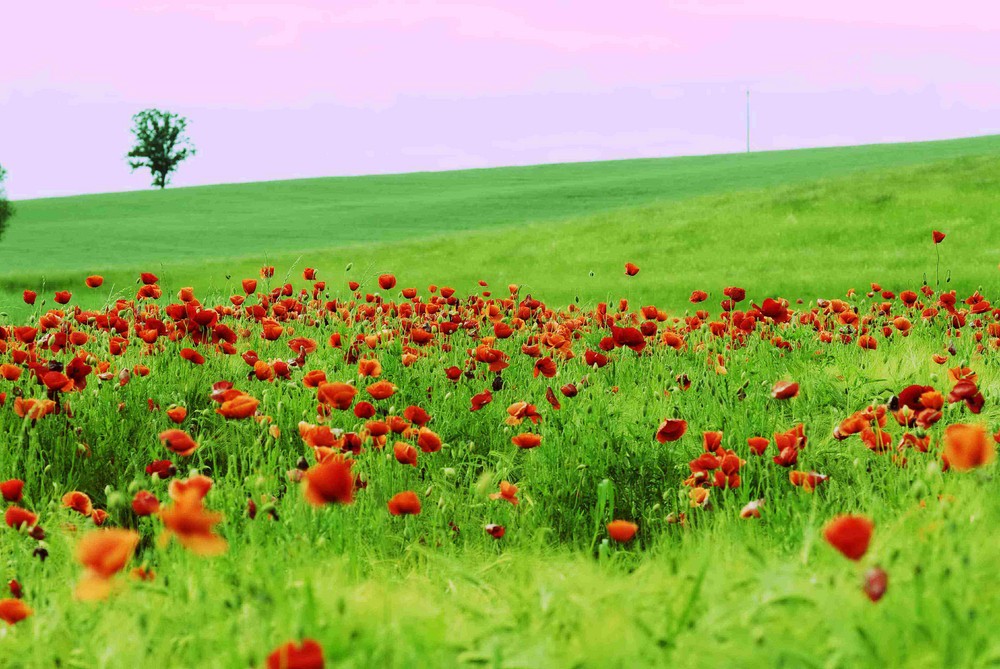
<point>797,221</point>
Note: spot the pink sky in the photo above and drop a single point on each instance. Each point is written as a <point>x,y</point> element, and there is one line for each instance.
<point>297,88</point>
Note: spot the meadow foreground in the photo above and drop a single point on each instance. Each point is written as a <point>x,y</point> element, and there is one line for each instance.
<point>385,475</point>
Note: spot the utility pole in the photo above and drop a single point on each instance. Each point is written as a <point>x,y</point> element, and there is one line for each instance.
<point>748,120</point>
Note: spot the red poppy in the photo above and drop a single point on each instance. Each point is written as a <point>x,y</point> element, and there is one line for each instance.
<point>12,490</point>
<point>307,654</point>
<point>876,583</point>
<point>784,390</point>
<point>495,531</point>
<point>329,482</point>
<point>404,453</point>
<point>404,504</point>
<point>13,611</point>
<point>671,429</point>
<point>850,535</point>
<point>386,281</point>
<point>938,237</point>
<point>758,445</point>
<point>94,281</point>
<point>631,269</point>
<point>145,503</point>
<point>179,442</point>
<point>16,517</point>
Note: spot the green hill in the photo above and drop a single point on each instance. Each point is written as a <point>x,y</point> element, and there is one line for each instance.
<point>798,221</point>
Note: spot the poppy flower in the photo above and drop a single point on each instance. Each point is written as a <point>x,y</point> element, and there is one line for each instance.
<point>808,481</point>
<point>671,429</point>
<point>192,356</point>
<point>527,440</point>
<point>94,281</point>
<point>381,390</point>
<point>404,504</point>
<point>849,534</point>
<point>187,519</point>
<point>329,482</point>
<point>698,296</point>
<point>79,502</point>
<point>29,297</point>
<point>630,269</point>
<point>307,654</point>
<point>622,531</point>
<point>508,492</point>
<point>416,415</point>
<point>784,390</point>
<point>876,583</point>
<point>386,281</point>
<point>239,407</point>
<point>103,554</point>
<point>495,531</point>
<point>145,503</point>
<point>16,517</point>
<point>405,453</point>
<point>179,442</point>
<point>428,441</point>
<point>967,447</point>
<point>338,395</point>
<point>12,490</point>
<point>546,367</point>
<point>13,611</point>
<point>63,296</point>
<point>758,445</point>
<point>938,237</point>
<point>177,414</point>
<point>481,399</point>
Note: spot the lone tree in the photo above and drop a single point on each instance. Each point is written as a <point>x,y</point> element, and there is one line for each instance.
<point>6,207</point>
<point>160,143</point>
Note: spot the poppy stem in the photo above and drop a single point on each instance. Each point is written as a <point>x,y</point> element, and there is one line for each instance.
<point>937,270</point>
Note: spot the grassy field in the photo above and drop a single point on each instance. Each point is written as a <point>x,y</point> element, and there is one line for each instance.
<point>771,200</point>
<point>698,585</point>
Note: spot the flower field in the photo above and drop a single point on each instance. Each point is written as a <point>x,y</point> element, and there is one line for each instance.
<point>360,472</point>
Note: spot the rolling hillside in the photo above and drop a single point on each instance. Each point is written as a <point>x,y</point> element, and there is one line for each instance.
<point>766,220</point>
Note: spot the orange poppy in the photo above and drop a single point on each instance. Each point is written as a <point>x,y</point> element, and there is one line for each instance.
<point>79,502</point>
<point>188,520</point>
<point>508,492</point>
<point>338,395</point>
<point>94,281</point>
<point>621,530</point>
<point>381,390</point>
<point>631,269</point>
<point>103,554</point>
<point>968,446</point>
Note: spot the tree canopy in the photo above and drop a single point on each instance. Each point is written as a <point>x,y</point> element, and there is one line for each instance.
<point>161,144</point>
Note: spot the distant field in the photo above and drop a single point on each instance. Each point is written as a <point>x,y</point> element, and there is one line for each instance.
<point>547,224</point>
<point>563,231</point>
